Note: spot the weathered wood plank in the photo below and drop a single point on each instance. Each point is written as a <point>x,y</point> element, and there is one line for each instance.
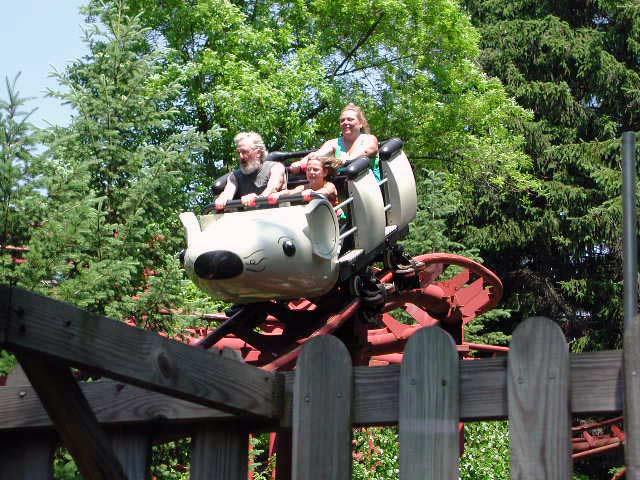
<point>322,411</point>
<point>16,377</point>
<point>27,456</point>
<point>596,387</point>
<point>112,402</point>
<point>632,398</point>
<point>219,454</point>
<point>73,418</point>
<point>283,450</point>
<point>538,391</point>
<point>132,447</point>
<point>139,357</point>
<point>429,407</point>
<point>5,309</point>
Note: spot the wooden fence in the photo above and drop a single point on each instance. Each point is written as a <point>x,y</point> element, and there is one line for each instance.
<point>164,389</point>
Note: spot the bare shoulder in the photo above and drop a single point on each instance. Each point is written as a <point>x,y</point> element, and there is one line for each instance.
<point>330,144</point>
<point>277,167</point>
<point>372,139</point>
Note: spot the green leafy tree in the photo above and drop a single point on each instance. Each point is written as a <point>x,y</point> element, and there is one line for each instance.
<point>286,69</point>
<point>576,66</point>
<point>166,85</point>
<point>20,199</point>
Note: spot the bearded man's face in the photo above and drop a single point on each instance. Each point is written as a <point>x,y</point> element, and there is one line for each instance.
<point>250,157</point>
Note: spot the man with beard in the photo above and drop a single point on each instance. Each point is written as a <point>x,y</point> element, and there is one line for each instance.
<point>256,175</point>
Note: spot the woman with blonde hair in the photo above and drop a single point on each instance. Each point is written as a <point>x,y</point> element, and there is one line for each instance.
<point>354,142</point>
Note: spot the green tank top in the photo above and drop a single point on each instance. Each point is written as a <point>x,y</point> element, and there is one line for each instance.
<point>374,161</point>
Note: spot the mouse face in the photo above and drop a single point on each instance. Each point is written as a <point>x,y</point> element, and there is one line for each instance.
<point>278,253</point>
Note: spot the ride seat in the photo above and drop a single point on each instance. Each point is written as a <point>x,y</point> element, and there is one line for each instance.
<point>399,187</point>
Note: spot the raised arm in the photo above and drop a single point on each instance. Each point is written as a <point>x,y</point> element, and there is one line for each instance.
<point>327,148</point>
<point>367,146</point>
<point>276,180</point>
<point>228,192</point>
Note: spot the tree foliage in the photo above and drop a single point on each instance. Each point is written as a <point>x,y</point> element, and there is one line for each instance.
<point>286,69</point>
<point>166,85</point>
<point>115,179</point>
<point>20,199</point>
<point>575,65</point>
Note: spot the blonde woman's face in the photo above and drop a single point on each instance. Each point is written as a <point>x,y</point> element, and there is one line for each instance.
<point>350,122</point>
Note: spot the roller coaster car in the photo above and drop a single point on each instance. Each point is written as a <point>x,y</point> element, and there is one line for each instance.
<point>297,247</point>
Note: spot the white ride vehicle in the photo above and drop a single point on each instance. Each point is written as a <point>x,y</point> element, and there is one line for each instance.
<point>298,247</point>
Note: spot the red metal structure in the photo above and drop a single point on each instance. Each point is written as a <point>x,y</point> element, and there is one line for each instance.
<point>375,317</point>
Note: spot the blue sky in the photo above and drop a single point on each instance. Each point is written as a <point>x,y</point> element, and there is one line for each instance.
<point>37,35</point>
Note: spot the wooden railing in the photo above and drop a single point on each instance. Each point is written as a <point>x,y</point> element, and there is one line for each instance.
<point>164,389</point>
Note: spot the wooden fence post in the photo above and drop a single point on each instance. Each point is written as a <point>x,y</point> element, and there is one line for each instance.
<point>132,447</point>
<point>539,411</point>
<point>284,445</point>
<point>632,398</point>
<point>429,406</point>
<point>26,456</point>
<point>219,453</point>
<point>322,411</point>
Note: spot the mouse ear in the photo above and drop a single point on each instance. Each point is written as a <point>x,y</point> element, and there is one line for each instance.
<point>323,228</point>
<point>191,225</point>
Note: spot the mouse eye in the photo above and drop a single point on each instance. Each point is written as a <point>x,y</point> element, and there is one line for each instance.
<point>289,248</point>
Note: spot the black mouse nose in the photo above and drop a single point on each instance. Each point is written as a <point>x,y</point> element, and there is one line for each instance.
<point>218,265</point>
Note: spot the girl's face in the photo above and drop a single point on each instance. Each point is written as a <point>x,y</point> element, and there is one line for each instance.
<point>315,171</point>
<point>350,122</point>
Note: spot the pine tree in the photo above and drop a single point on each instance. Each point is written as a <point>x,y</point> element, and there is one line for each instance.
<point>116,179</point>
<point>19,197</point>
<point>575,64</point>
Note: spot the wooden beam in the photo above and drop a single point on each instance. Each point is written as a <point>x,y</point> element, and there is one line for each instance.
<point>73,418</point>
<point>114,404</point>
<point>135,356</point>
<point>596,387</point>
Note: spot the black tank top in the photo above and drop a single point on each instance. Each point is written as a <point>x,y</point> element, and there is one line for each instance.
<point>255,182</point>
